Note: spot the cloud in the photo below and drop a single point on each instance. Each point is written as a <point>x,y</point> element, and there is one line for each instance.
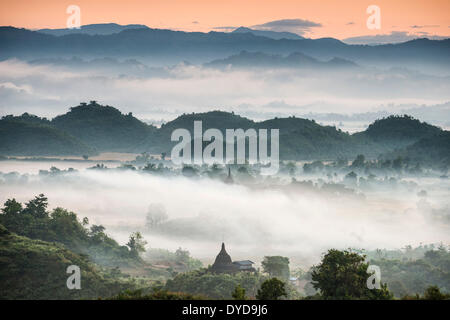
<point>261,222</point>
<point>393,37</point>
<point>350,23</point>
<point>298,26</point>
<point>194,22</point>
<point>165,93</point>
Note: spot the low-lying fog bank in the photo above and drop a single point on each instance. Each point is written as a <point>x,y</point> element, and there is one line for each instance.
<point>198,215</point>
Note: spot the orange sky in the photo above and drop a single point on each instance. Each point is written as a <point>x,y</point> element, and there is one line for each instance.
<point>339,18</point>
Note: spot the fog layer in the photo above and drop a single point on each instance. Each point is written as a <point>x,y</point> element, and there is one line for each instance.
<point>153,94</point>
<point>254,223</point>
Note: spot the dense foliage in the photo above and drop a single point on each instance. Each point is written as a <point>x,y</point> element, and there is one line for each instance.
<point>343,275</point>
<point>407,274</point>
<point>271,289</point>
<point>30,135</point>
<point>35,269</point>
<point>104,128</point>
<point>90,127</point>
<point>34,221</point>
<point>216,286</point>
<point>276,266</point>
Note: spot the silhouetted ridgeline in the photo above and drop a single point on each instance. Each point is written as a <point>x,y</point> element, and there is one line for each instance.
<point>263,60</point>
<point>91,128</point>
<point>175,46</point>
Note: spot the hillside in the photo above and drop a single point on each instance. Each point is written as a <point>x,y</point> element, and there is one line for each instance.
<point>93,29</point>
<point>299,138</point>
<point>262,60</point>
<point>432,150</point>
<point>35,269</point>
<point>175,46</point>
<point>31,135</point>
<point>398,131</point>
<point>104,128</point>
<point>90,127</point>
<point>277,35</point>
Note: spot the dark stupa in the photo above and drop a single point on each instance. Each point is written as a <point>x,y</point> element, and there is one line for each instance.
<point>223,262</point>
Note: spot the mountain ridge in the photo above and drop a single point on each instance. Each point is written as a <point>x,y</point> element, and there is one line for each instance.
<point>93,29</point>
<point>175,46</point>
<point>105,128</point>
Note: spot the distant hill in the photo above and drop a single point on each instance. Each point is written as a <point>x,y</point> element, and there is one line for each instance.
<point>94,29</point>
<point>431,150</point>
<point>32,136</point>
<point>269,34</point>
<point>104,128</point>
<point>262,60</point>
<point>90,126</point>
<point>299,138</point>
<point>167,46</point>
<point>398,131</point>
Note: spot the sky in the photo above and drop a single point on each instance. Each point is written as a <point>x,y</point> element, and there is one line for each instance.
<point>340,19</point>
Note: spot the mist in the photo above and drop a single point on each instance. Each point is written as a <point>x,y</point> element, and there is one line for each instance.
<point>160,94</point>
<point>254,222</point>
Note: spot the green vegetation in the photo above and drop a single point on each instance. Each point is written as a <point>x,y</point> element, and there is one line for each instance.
<point>343,275</point>
<point>431,293</point>
<point>400,130</point>
<point>35,269</point>
<point>37,246</point>
<point>30,135</point>
<point>276,266</point>
<point>62,226</point>
<point>215,286</point>
<point>238,293</point>
<point>156,295</point>
<point>178,261</point>
<point>90,127</point>
<point>413,271</point>
<point>432,150</point>
<point>271,289</point>
<point>104,128</point>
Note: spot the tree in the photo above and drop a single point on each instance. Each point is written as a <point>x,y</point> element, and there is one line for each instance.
<point>433,293</point>
<point>97,229</point>
<point>343,275</point>
<point>271,289</point>
<point>85,156</point>
<point>136,243</point>
<point>37,207</point>
<point>276,266</point>
<point>238,293</point>
<point>156,215</point>
<point>11,206</point>
<point>182,255</point>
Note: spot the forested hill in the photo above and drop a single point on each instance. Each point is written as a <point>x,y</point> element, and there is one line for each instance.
<point>396,131</point>
<point>30,135</point>
<point>175,46</point>
<point>90,128</point>
<point>104,128</point>
<point>433,149</point>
